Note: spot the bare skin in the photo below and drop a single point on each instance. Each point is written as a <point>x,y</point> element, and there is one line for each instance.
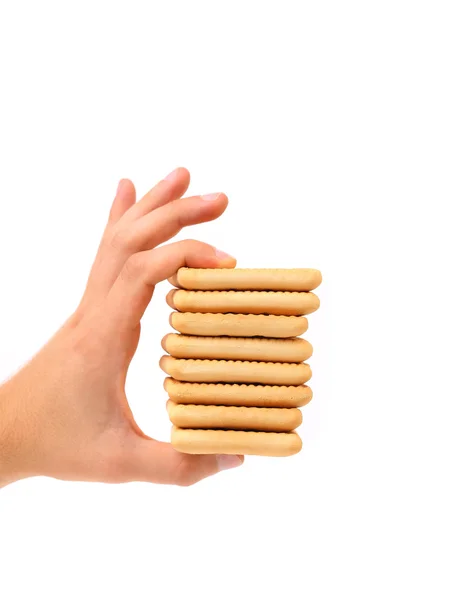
<point>65,414</point>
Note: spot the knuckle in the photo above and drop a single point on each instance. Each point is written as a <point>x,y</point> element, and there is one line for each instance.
<point>176,214</point>
<point>121,239</point>
<point>186,481</point>
<point>192,242</point>
<point>184,476</point>
<point>132,267</point>
<point>180,220</point>
<point>190,247</point>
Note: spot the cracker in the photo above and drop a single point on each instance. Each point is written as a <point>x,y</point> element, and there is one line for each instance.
<point>238,325</point>
<point>208,441</point>
<point>254,303</point>
<point>238,394</point>
<point>284,280</point>
<point>237,348</point>
<point>197,416</point>
<point>235,371</point>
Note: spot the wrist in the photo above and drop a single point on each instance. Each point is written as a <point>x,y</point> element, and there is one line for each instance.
<point>11,447</point>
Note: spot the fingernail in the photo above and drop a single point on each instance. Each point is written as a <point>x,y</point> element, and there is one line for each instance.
<point>210,197</point>
<point>228,461</point>
<point>222,255</point>
<point>171,176</point>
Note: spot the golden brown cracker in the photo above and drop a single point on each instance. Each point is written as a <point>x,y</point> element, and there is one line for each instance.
<point>197,416</point>
<point>253,303</point>
<point>234,394</point>
<point>214,441</point>
<point>235,371</point>
<point>284,280</point>
<point>237,348</point>
<point>238,325</point>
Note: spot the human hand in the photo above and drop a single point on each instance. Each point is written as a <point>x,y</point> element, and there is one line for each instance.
<point>66,414</point>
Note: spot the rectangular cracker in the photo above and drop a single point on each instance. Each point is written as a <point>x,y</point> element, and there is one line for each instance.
<point>253,303</point>
<point>284,280</point>
<point>207,441</point>
<point>237,348</point>
<point>234,394</point>
<point>197,416</point>
<point>238,325</point>
<point>235,371</point>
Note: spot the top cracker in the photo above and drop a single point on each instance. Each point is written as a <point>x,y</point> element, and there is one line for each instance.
<point>282,280</point>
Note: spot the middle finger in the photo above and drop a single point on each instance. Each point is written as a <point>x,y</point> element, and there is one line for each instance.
<point>166,221</point>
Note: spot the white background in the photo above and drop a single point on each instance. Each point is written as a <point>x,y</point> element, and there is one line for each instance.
<point>327,124</point>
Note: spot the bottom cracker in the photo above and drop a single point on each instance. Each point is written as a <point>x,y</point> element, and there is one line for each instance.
<point>206,441</point>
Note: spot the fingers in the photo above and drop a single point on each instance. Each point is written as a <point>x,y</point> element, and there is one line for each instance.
<point>126,236</point>
<point>100,277</point>
<point>169,189</point>
<point>133,289</point>
<point>125,198</point>
<point>166,221</point>
<point>158,462</point>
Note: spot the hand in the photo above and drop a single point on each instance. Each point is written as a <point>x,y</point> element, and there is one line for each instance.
<point>66,414</point>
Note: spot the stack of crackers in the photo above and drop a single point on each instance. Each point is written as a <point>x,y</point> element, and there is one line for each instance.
<point>236,368</point>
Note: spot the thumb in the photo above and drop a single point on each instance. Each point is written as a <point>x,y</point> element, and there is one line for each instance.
<point>158,462</point>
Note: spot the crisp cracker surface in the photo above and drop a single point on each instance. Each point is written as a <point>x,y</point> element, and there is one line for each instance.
<point>244,302</point>
<point>237,348</point>
<point>234,417</point>
<point>238,394</point>
<point>207,441</point>
<point>288,280</point>
<point>238,325</point>
<point>235,371</point>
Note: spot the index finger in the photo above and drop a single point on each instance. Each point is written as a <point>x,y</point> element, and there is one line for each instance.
<point>133,289</point>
